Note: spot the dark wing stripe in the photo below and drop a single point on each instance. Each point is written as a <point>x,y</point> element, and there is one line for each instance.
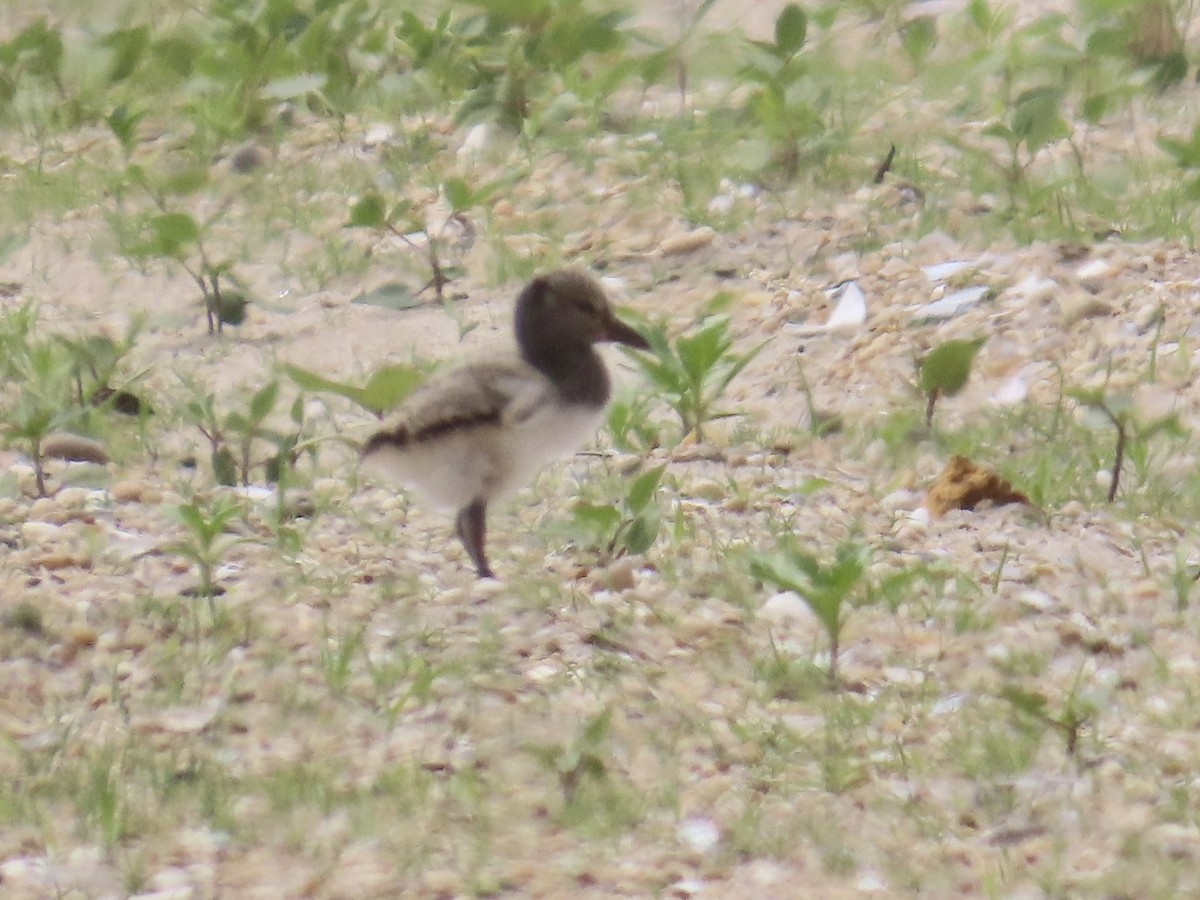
<point>402,436</point>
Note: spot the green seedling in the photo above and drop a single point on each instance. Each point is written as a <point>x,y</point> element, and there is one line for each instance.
<point>337,657</point>
<point>945,371</point>
<point>1133,440</point>
<point>44,404</point>
<point>233,436</point>
<point>520,54</point>
<point>172,234</point>
<point>828,589</point>
<point>96,359</point>
<point>1076,713</point>
<point>384,389</point>
<point>788,102</point>
<point>692,372</point>
<point>403,220</point>
<point>35,53</point>
<point>207,541</point>
<point>918,37</point>
<point>628,527</point>
<point>674,56</point>
<point>630,425</point>
<point>590,787</point>
<point>1034,122</point>
<point>1186,154</point>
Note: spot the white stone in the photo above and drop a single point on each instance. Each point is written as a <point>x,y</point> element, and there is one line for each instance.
<point>699,834</point>
<point>788,608</point>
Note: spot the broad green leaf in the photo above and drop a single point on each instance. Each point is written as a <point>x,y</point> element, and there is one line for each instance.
<point>263,402</point>
<point>791,29</point>
<point>173,232</point>
<point>918,37</point>
<point>224,467</point>
<point>1036,118</point>
<point>458,194</point>
<point>1032,703</point>
<point>308,380</point>
<point>185,181</point>
<point>189,514</point>
<point>643,488</point>
<point>948,366</point>
<point>389,385</point>
<point>123,124</point>
<point>642,532</point>
<point>128,46</point>
<point>601,518</point>
<point>369,211</point>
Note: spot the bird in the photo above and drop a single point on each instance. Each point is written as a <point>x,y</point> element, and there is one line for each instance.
<point>477,432</point>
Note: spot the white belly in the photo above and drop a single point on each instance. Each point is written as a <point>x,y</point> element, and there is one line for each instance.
<point>488,461</point>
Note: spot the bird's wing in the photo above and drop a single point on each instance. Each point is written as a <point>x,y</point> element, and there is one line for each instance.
<point>488,393</point>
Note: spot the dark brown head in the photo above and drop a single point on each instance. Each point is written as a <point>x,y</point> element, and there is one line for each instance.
<point>560,316</point>
<point>568,307</point>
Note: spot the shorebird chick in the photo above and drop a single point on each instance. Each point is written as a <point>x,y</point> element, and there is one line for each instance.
<point>479,431</point>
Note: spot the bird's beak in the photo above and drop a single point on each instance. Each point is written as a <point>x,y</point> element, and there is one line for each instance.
<point>618,332</point>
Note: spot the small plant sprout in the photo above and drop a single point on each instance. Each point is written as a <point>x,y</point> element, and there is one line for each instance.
<point>790,115</point>
<point>206,541</point>
<point>826,588</point>
<point>1078,711</point>
<point>945,371</point>
<point>628,527</point>
<point>403,220</point>
<point>234,436</point>
<point>44,404</point>
<point>692,372</point>
<point>174,235</point>
<point>1132,439</point>
<point>581,767</point>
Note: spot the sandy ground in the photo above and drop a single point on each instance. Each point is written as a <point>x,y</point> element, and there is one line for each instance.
<point>918,780</point>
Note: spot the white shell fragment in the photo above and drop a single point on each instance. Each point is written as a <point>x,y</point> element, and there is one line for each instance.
<point>952,304</point>
<point>850,312</point>
<point>939,272</point>
<point>1011,392</point>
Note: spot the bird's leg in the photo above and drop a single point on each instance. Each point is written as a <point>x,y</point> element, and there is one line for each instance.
<point>472,531</point>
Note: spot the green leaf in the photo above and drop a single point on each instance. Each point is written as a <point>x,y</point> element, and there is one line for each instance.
<point>123,124</point>
<point>1036,119</point>
<point>393,295</point>
<point>308,380</point>
<point>791,29</point>
<point>224,466</point>
<point>369,211</point>
<point>643,488</point>
<point>642,532</point>
<point>458,194</point>
<point>128,46</point>
<point>173,232</point>
<point>918,37</point>
<point>185,181</point>
<point>263,402</point>
<point>1031,703</point>
<point>599,518</point>
<point>191,517</point>
<point>389,385</point>
<point>1186,153</point>
<point>948,366</point>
